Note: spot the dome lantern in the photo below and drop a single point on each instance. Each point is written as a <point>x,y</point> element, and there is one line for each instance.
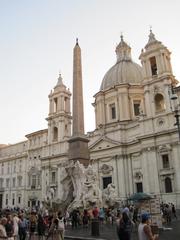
<point>123,51</point>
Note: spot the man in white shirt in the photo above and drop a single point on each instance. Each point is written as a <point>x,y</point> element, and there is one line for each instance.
<point>144,229</point>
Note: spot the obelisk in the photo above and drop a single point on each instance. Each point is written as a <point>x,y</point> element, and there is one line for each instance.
<point>78,143</point>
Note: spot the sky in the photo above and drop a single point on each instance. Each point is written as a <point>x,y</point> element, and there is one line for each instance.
<point>36,43</point>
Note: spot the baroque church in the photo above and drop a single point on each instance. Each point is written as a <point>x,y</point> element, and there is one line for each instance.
<point>135,144</point>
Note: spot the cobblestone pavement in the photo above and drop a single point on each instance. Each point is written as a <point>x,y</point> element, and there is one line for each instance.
<point>108,232</point>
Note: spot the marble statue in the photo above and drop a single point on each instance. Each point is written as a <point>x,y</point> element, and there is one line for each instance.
<point>110,197</point>
<point>85,189</point>
<point>50,194</point>
<point>79,188</point>
<point>92,195</point>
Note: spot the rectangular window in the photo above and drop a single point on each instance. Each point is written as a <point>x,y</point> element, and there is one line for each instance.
<point>165,161</point>
<point>33,185</point>
<point>38,180</point>
<point>106,181</point>
<point>6,199</point>
<point>136,108</point>
<point>7,183</point>
<point>14,166</point>
<point>153,66</point>
<point>1,183</point>
<point>14,182</point>
<point>139,187</point>
<point>13,199</point>
<point>19,199</point>
<point>20,181</point>
<point>53,177</point>
<point>20,165</point>
<point>29,180</point>
<point>112,111</point>
<point>2,169</point>
<point>8,168</point>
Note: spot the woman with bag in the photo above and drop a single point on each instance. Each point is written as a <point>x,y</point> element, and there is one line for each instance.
<point>57,227</point>
<point>125,227</point>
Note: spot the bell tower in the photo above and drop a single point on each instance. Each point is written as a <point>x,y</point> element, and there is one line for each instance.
<point>59,118</point>
<point>155,59</point>
<point>158,76</point>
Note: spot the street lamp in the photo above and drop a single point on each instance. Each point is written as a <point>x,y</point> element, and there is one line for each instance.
<point>174,98</point>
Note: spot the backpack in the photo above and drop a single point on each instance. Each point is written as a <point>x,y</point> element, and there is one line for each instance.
<point>61,224</point>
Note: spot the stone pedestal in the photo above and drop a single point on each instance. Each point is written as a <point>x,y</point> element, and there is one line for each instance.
<point>78,149</point>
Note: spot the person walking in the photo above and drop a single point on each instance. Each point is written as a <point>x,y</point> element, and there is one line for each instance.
<point>173,210</point>
<point>23,227</point>
<point>16,225</point>
<point>74,218</point>
<point>40,227</point>
<point>3,222</point>
<point>101,215</point>
<point>32,225</point>
<point>85,218</point>
<point>124,229</point>
<point>57,228</point>
<point>10,227</point>
<point>144,229</point>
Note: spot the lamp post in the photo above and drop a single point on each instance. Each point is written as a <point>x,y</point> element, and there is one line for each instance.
<point>174,99</point>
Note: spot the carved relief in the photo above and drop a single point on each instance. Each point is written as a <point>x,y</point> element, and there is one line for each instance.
<point>160,122</point>
<point>138,175</point>
<point>164,148</point>
<point>106,169</point>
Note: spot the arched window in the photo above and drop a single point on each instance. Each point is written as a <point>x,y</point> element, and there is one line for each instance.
<point>153,66</point>
<point>112,109</point>
<point>168,185</point>
<point>159,102</point>
<point>55,104</point>
<point>55,134</point>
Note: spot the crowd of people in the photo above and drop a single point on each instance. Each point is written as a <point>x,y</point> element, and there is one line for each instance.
<point>168,212</point>
<point>32,225</point>
<point>17,224</point>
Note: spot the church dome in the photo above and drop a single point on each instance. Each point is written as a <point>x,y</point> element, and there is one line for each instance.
<point>124,71</point>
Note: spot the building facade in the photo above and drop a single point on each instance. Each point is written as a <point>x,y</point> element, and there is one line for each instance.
<point>135,144</point>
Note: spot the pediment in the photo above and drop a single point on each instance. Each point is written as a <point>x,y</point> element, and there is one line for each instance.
<point>104,143</point>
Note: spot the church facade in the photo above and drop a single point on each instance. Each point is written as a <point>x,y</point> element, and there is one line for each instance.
<point>135,144</point>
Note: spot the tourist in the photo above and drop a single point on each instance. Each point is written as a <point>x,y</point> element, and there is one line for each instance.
<point>61,226</point>
<point>74,218</point>
<point>23,227</point>
<point>173,210</point>
<point>16,225</point>
<point>101,215</point>
<point>95,212</point>
<point>32,225</point>
<point>41,227</point>
<point>167,212</point>
<point>3,222</point>
<point>125,226</point>
<point>57,227</point>
<point>85,218</point>
<point>9,227</point>
<point>144,229</point>
<point>66,217</point>
<point>135,215</point>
